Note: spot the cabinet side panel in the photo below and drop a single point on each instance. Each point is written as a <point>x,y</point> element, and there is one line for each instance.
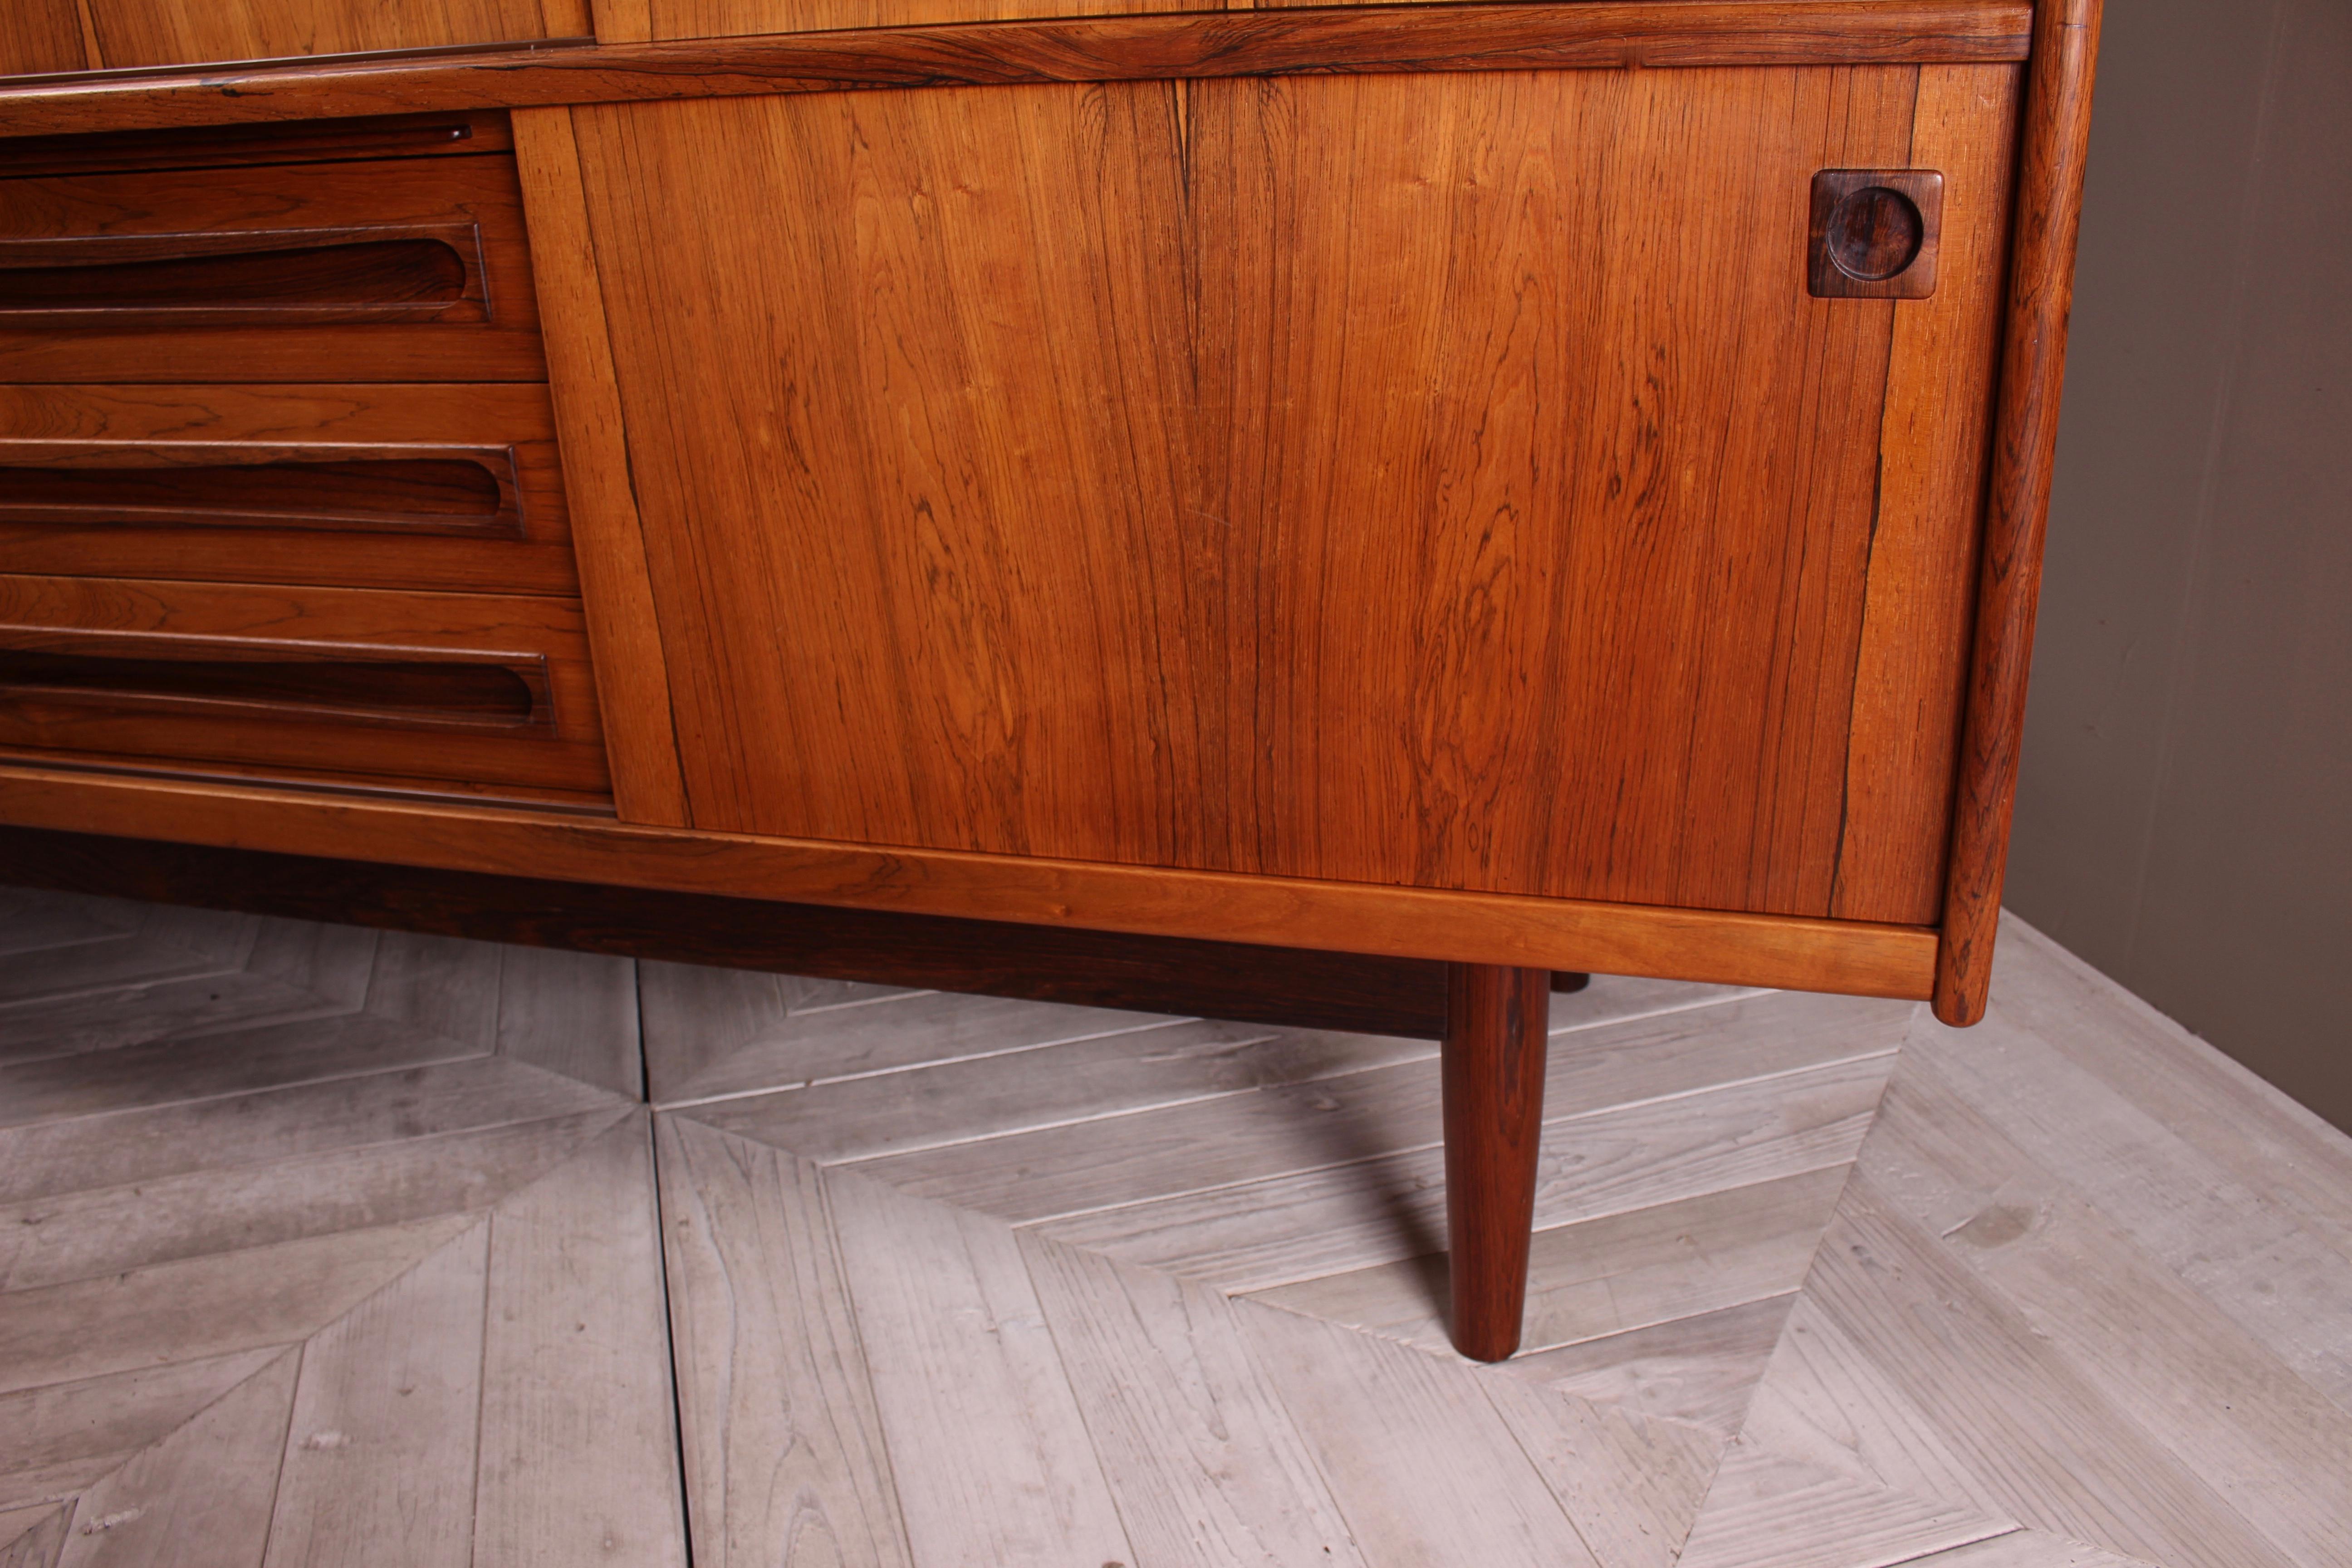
<point>1435,479</point>
<point>1913,674</point>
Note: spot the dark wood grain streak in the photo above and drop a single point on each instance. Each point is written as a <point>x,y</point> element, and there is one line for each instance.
<point>1294,986</point>
<point>1605,34</point>
<point>1493,1077</point>
<point>2033,365</point>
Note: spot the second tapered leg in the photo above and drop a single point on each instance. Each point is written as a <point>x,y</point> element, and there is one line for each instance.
<point>1494,1079</point>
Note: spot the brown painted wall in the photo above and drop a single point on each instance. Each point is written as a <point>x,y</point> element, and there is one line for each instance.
<point>2185,816</point>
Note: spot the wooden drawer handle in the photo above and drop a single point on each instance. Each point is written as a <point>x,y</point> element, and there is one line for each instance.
<point>289,277</point>
<point>407,689</point>
<point>438,491</point>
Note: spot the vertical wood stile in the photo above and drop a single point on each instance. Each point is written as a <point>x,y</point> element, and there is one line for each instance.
<point>632,675</point>
<point>2033,360</point>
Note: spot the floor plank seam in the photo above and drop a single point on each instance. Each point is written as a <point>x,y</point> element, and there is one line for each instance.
<point>669,1318</point>
<point>824,1080</point>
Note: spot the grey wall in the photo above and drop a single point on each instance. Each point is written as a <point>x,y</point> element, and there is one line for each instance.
<point>2184,819</point>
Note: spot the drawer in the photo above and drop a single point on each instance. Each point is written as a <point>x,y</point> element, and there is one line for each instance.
<point>472,692</point>
<point>393,486</point>
<point>394,269</point>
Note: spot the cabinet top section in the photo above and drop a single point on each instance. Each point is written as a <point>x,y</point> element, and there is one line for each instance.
<point>1365,39</point>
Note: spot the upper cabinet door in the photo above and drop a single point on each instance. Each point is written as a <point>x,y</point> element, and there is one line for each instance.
<point>1448,481</point>
<point>41,35</point>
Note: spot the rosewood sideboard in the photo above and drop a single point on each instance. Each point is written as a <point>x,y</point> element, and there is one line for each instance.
<point>1520,488</point>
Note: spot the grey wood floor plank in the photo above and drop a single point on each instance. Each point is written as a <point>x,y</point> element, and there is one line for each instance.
<point>578,1458</point>
<point>1259,1235</point>
<point>993,1461</point>
<point>1606,1276</point>
<point>202,1306</point>
<point>1263,1133</point>
<point>445,985</point>
<point>2275,1448</point>
<point>1825,1403</point>
<point>1208,1470</point>
<point>956,1103</point>
<point>201,1497</point>
<point>1769,1510</point>
<point>1702,1370</point>
<point>142,1143</point>
<point>86,1235</point>
<point>37,922</point>
<point>2275,1147</point>
<point>713,1033</point>
<point>1631,1485</point>
<point>1422,1467</point>
<point>57,1440</point>
<point>2034,1434</point>
<point>784,1456</point>
<point>2254,1258</point>
<point>294,969</point>
<point>2026,1549</point>
<point>380,1455</point>
<point>572,1013</point>
<point>31,1537</point>
<point>237,1062</point>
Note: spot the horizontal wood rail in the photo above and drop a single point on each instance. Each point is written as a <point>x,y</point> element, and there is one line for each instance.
<point>230,146</point>
<point>1847,956</point>
<point>433,490</point>
<point>425,688</point>
<point>1652,34</point>
<point>257,277</point>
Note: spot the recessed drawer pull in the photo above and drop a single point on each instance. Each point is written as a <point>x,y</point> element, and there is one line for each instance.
<point>302,277</point>
<point>407,688</point>
<point>466,492</point>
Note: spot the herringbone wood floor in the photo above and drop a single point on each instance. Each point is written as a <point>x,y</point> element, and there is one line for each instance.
<point>319,1246</point>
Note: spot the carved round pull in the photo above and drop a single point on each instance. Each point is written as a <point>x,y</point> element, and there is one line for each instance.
<point>1874,234</point>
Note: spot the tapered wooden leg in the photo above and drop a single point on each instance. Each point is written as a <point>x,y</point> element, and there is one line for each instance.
<point>1494,1079</point>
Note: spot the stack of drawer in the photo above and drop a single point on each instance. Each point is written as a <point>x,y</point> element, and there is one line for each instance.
<point>279,491</point>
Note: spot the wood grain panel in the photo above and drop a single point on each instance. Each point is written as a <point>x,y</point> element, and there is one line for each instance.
<point>1404,923</point>
<point>468,210</point>
<point>186,32</point>
<point>1436,479</point>
<point>37,36</point>
<point>61,421</point>
<point>1911,674</point>
<point>1642,34</point>
<point>150,623</point>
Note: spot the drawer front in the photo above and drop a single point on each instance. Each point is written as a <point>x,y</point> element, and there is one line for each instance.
<point>486,694</point>
<point>408,269</point>
<point>395,485</point>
